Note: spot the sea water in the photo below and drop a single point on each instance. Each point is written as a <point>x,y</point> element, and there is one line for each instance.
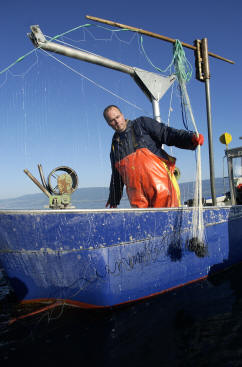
<point>197,325</point>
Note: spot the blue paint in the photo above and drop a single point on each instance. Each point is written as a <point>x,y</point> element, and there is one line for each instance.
<point>107,257</point>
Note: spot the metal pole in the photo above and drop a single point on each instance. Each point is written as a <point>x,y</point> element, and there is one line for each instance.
<point>84,56</point>
<point>209,117</point>
<point>156,110</point>
<point>231,179</point>
<point>39,40</point>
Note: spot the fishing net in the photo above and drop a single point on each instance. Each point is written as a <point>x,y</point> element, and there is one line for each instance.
<point>184,71</point>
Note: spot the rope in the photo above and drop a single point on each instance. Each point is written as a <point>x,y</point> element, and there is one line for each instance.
<point>18,60</point>
<point>150,62</point>
<point>30,52</point>
<point>69,31</point>
<point>55,304</point>
<point>55,38</point>
<point>182,65</point>
<point>92,81</point>
<point>183,68</point>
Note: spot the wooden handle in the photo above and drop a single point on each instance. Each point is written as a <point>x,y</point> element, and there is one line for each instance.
<point>151,34</point>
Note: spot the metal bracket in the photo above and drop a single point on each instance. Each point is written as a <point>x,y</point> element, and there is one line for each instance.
<point>36,35</point>
<point>153,85</point>
<point>198,61</point>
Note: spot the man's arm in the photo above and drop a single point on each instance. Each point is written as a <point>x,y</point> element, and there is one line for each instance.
<point>169,136</point>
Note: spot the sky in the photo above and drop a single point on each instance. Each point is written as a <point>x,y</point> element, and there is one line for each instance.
<point>51,111</point>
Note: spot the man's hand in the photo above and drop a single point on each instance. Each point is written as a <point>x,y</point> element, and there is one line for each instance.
<point>239,187</point>
<point>197,140</point>
<point>110,206</point>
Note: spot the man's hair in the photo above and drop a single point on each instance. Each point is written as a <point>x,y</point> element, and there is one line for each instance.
<point>107,109</point>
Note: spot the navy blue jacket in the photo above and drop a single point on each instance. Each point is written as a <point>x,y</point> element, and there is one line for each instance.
<point>143,132</point>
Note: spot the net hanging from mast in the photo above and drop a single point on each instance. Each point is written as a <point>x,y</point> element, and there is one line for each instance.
<point>184,72</point>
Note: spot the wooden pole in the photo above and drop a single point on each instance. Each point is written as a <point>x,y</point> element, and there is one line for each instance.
<point>151,34</point>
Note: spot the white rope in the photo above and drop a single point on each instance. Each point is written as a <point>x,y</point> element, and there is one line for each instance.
<point>170,106</point>
<point>93,82</point>
<point>108,39</point>
<point>197,218</point>
<point>9,72</point>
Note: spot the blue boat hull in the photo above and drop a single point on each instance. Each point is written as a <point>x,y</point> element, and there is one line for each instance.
<point>104,258</point>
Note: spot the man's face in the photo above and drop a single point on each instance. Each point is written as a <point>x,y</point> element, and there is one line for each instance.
<point>116,120</point>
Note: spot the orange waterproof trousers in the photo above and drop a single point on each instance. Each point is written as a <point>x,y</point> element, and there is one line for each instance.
<point>149,180</point>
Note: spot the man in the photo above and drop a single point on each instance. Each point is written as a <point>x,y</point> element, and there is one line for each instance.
<point>139,162</point>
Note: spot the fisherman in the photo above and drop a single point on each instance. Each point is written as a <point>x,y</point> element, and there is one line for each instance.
<point>139,162</point>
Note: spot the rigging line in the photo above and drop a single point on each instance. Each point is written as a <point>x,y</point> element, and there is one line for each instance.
<point>112,30</point>
<point>170,105</point>
<point>28,70</point>
<point>150,62</point>
<point>96,39</point>
<point>126,42</point>
<point>69,31</point>
<point>113,33</point>
<point>53,38</point>
<point>18,60</point>
<point>34,49</point>
<point>111,36</point>
<point>6,78</point>
<point>92,81</point>
<point>75,47</point>
<point>169,112</point>
<point>19,75</point>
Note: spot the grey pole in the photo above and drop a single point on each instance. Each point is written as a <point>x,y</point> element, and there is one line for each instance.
<point>210,141</point>
<point>209,117</point>
<point>156,109</point>
<point>231,179</point>
<point>40,41</point>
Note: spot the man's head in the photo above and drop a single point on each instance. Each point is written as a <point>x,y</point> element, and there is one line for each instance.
<point>115,118</point>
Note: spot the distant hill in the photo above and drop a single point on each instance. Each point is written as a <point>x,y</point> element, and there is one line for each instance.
<point>96,197</point>
<point>84,198</point>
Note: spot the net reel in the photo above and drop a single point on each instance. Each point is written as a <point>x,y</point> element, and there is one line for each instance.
<point>61,183</point>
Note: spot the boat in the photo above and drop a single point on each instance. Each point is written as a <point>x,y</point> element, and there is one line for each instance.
<point>102,258</point>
